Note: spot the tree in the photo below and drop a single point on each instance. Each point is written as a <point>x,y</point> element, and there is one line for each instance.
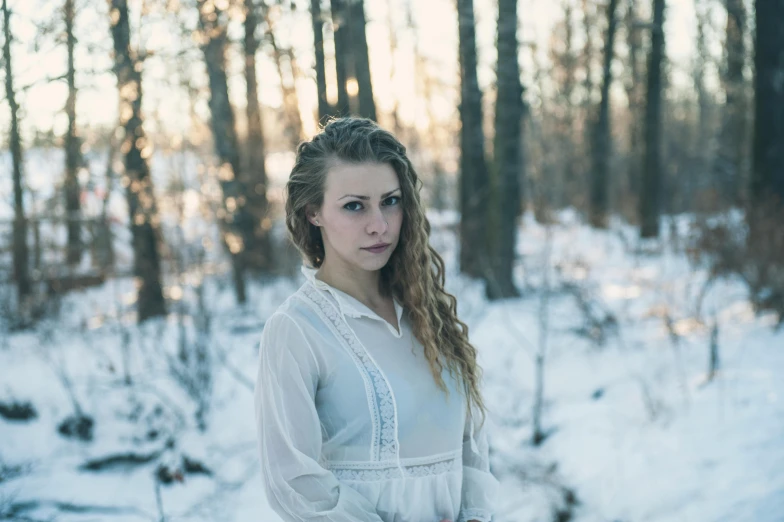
<point>633,87</point>
<point>238,222</point>
<point>602,141</point>
<point>21,253</point>
<point>508,152</point>
<point>259,254</point>
<point>563,191</point>
<point>139,192</point>
<point>344,61</point>
<point>732,143</point>
<point>284,57</point>
<point>352,63</point>
<point>650,197</point>
<point>73,149</point>
<point>474,176</point>
<point>324,110</point>
<point>767,185</point>
<point>356,20</point>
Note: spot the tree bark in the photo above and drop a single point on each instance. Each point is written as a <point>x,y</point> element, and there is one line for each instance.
<point>650,198</point>
<point>508,152</point>
<point>732,151</point>
<point>73,153</point>
<point>21,252</point>
<point>140,194</point>
<point>324,109</point>
<point>474,176</point>
<point>767,185</point>
<point>634,95</point>
<point>259,253</point>
<point>356,20</point>
<point>238,222</point>
<point>289,91</point>
<point>602,136</point>
<point>344,62</point>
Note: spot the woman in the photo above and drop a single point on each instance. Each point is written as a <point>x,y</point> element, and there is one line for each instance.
<point>368,390</point>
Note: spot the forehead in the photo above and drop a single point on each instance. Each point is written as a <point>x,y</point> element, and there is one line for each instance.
<point>364,179</point>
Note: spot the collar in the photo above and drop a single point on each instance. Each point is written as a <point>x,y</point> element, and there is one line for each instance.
<point>350,306</point>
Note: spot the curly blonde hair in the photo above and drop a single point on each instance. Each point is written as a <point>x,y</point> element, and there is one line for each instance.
<point>415,273</point>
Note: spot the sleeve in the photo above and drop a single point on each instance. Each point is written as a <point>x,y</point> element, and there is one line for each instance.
<point>297,487</point>
<point>480,487</point>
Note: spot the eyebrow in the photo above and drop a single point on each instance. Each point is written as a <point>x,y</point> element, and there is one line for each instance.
<point>383,196</point>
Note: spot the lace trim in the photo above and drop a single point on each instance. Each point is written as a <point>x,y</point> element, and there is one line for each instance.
<point>384,441</point>
<point>372,471</point>
<point>474,514</point>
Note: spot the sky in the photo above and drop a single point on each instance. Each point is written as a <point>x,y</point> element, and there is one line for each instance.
<point>37,58</point>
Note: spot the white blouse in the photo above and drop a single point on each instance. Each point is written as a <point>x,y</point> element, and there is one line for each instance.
<point>351,424</point>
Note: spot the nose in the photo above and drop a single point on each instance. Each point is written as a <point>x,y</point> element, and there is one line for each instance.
<point>378,223</point>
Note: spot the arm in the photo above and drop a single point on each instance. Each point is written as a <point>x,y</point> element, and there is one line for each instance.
<point>480,487</point>
<point>297,487</point>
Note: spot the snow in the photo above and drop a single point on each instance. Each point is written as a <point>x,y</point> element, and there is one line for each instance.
<point>634,430</point>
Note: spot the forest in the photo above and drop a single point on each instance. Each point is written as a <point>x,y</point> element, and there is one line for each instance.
<point>603,178</point>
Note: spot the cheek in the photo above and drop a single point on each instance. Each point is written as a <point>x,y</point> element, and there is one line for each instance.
<point>395,219</point>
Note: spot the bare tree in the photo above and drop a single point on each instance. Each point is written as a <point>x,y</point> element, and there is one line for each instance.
<point>650,197</point>
<point>474,175</point>
<point>21,254</point>
<point>768,174</point>
<point>564,190</point>
<point>602,138</point>
<point>356,20</point>
<point>140,194</point>
<point>324,110</point>
<point>731,153</point>
<point>633,86</point>
<point>284,59</point>
<point>73,149</point>
<point>238,222</point>
<point>259,254</point>
<point>508,152</point>
<point>344,61</point>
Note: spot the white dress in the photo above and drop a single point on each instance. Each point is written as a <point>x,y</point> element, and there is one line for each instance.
<point>351,425</point>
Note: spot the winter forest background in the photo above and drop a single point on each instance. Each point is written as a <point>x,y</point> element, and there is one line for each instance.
<point>605,180</point>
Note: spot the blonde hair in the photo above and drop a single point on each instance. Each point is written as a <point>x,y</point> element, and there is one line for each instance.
<point>415,273</point>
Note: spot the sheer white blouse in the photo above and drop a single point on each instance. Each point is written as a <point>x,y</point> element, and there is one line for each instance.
<point>351,425</point>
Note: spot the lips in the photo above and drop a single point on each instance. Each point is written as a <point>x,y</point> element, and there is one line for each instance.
<point>378,248</point>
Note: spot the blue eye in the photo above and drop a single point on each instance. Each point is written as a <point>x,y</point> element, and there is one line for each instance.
<point>395,200</point>
<point>348,206</point>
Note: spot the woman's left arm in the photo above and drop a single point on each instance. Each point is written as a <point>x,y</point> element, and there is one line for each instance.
<point>480,487</point>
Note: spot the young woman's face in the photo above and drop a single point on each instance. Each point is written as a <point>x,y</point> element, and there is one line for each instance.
<point>362,209</point>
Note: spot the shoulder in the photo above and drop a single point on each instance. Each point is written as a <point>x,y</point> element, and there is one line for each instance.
<point>300,311</point>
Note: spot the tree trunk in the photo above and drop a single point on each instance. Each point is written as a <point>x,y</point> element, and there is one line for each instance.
<point>140,194</point>
<point>324,109</point>
<point>21,254</point>
<point>238,222</point>
<point>588,50</point>
<point>356,20</point>
<point>634,95</point>
<point>289,90</point>
<point>731,150</point>
<point>703,105</point>
<point>508,152</point>
<point>650,197</point>
<point>344,62</point>
<point>474,176</point>
<point>602,139</point>
<point>259,253</point>
<point>767,185</point>
<point>73,153</point>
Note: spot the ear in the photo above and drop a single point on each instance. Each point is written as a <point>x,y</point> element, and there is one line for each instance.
<point>312,216</point>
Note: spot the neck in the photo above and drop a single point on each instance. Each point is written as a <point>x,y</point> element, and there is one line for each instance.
<point>362,285</point>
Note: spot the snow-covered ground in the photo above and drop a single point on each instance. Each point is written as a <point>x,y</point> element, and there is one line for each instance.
<point>634,431</point>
